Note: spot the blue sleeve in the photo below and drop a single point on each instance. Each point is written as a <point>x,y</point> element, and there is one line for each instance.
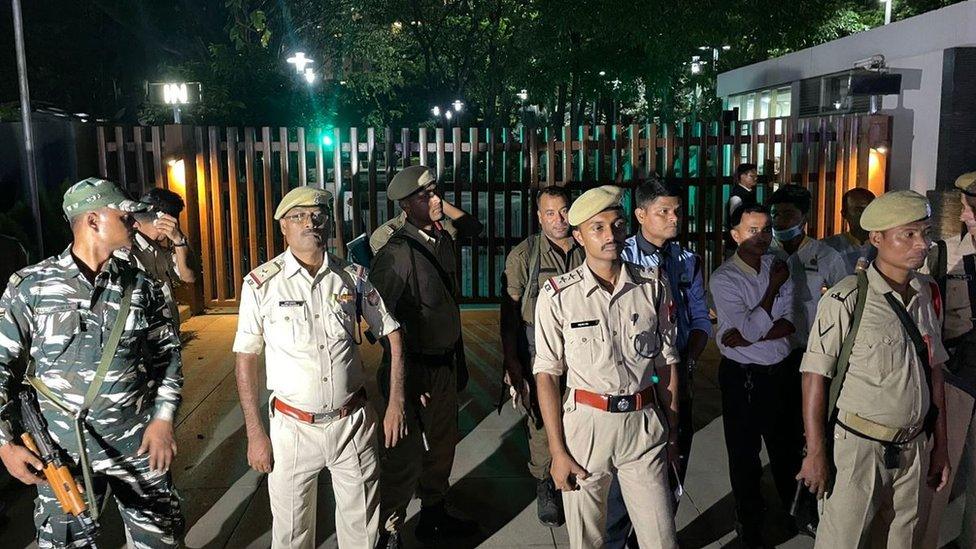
<point>697,300</point>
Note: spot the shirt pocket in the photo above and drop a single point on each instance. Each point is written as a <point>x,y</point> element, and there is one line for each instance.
<point>584,341</point>
<point>341,321</point>
<point>644,336</point>
<point>289,325</point>
<point>59,334</point>
<point>883,352</point>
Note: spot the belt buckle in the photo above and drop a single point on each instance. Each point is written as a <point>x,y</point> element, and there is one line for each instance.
<point>623,403</point>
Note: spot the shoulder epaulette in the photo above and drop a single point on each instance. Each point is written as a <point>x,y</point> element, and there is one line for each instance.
<point>559,283</point>
<point>262,274</point>
<point>845,289</point>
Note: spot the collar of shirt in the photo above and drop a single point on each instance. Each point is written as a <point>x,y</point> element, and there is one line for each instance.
<point>110,270</point>
<point>645,246</point>
<point>743,266</point>
<point>293,267</point>
<point>421,234</point>
<point>853,240</point>
<point>591,284</point>
<point>546,246</point>
<point>878,284</point>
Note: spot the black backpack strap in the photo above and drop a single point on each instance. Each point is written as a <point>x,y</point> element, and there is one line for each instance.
<point>921,349</point>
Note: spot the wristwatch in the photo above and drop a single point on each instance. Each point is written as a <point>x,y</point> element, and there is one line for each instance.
<point>181,244</point>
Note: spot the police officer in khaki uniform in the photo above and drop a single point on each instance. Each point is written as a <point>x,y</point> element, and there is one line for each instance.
<point>535,260</point>
<point>607,325</point>
<point>302,309</point>
<point>956,273</point>
<point>892,395</point>
<point>415,272</point>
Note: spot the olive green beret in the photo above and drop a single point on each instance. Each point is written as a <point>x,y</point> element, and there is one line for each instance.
<point>967,183</point>
<point>408,181</point>
<point>302,196</point>
<point>593,202</point>
<point>94,193</point>
<point>894,209</point>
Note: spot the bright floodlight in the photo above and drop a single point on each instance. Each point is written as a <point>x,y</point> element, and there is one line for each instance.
<point>310,76</point>
<point>458,105</point>
<point>726,48</point>
<point>448,115</point>
<point>523,95</point>
<point>436,111</point>
<point>175,94</point>
<point>603,73</point>
<point>695,67</point>
<point>300,61</point>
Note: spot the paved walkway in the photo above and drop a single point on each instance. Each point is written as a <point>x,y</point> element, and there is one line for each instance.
<point>226,504</point>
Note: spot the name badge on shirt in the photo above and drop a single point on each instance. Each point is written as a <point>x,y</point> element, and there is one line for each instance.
<point>291,303</point>
<point>584,324</point>
<point>344,297</point>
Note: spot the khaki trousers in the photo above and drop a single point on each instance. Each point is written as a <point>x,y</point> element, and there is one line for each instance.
<point>407,468</point>
<point>961,434</point>
<point>633,445</point>
<point>347,447</point>
<point>865,492</point>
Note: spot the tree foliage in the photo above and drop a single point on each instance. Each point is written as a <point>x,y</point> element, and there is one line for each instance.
<point>390,61</point>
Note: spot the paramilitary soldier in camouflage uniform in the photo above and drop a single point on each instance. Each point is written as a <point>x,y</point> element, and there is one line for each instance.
<point>879,336</point>
<point>59,314</point>
<point>953,264</point>
<point>535,260</point>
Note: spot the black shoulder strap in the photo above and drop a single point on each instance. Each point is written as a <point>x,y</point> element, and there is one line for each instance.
<point>938,265</point>
<point>921,349</point>
<point>423,251</point>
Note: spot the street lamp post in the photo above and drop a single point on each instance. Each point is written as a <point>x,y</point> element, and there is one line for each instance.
<point>25,117</point>
<point>887,6</point>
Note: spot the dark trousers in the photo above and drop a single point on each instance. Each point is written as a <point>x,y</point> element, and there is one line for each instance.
<point>619,526</point>
<point>761,404</point>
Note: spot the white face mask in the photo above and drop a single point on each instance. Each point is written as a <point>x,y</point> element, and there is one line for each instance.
<point>788,234</point>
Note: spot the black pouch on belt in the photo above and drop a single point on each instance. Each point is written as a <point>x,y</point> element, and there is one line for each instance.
<point>891,453</point>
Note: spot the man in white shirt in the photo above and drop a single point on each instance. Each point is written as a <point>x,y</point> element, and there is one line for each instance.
<point>814,266</point>
<point>302,309</point>
<point>853,244</point>
<point>758,374</point>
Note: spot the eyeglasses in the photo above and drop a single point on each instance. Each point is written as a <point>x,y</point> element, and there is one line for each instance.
<point>318,218</point>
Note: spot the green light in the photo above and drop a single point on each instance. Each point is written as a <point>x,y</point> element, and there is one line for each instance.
<point>327,140</point>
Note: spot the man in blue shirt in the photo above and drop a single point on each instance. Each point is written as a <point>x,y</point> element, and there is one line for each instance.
<point>658,210</point>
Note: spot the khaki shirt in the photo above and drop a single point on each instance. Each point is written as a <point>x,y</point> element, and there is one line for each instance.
<point>605,341</point>
<point>426,309</point>
<point>463,227</point>
<point>308,330</point>
<point>552,262</point>
<point>160,263</point>
<point>958,315</point>
<point>885,380</point>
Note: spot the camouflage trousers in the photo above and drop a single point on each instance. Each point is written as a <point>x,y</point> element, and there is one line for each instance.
<point>147,500</point>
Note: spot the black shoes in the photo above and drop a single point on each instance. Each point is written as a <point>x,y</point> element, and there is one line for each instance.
<point>550,504</point>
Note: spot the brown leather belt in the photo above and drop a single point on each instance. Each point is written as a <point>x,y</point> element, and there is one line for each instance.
<point>615,403</point>
<point>355,402</point>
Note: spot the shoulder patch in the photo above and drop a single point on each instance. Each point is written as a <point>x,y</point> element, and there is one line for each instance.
<point>262,274</point>
<point>559,283</point>
<point>15,280</point>
<point>844,294</point>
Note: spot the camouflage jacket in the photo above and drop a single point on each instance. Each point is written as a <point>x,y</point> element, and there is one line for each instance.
<point>52,316</point>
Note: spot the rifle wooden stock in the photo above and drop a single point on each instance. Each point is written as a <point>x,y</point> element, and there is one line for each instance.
<point>61,481</point>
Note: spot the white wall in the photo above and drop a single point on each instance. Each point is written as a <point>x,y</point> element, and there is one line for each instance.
<point>915,122</point>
